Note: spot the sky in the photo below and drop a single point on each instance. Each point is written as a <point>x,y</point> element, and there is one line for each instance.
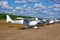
<point>34,8</point>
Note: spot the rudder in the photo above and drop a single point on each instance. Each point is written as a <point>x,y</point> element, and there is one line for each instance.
<point>8,19</point>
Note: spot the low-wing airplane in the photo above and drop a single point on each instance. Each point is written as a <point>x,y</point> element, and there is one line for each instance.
<point>22,21</point>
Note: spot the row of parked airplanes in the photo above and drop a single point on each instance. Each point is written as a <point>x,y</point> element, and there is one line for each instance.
<point>31,22</point>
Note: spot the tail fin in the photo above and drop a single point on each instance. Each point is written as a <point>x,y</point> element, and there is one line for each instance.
<point>36,19</point>
<point>8,19</point>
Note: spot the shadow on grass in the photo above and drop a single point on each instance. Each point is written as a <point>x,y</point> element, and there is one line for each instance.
<point>23,28</point>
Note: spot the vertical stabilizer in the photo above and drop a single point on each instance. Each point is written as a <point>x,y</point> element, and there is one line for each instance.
<point>36,19</point>
<point>8,19</point>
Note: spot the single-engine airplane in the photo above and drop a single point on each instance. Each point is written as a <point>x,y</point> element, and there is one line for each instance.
<point>23,21</point>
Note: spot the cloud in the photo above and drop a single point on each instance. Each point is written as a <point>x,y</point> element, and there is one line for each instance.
<point>28,9</point>
<point>18,1</point>
<point>0,3</point>
<point>19,8</point>
<point>32,0</point>
<point>14,10</point>
<point>7,7</point>
<point>52,11</point>
<point>55,7</point>
<point>25,5</point>
<point>36,5</point>
<point>10,11</point>
<point>4,4</point>
<point>22,11</point>
<point>24,1</point>
<point>40,5</point>
<point>54,1</point>
<point>4,7</point>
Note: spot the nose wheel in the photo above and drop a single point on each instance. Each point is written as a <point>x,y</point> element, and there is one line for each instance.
<point>35,27</point>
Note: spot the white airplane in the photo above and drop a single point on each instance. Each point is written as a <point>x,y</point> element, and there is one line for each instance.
<point>31,23</point>
<point>56,20</point>
<point>51,22</point>
<point>48,21</point>
<point>44,20</point>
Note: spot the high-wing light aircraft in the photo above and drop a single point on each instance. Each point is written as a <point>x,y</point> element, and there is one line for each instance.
<point>51,22</point>
<point>30,23</point>
<point>57,21</point>
<point>48,21</point>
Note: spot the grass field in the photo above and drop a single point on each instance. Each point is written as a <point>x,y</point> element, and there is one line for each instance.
<point>15,32</point>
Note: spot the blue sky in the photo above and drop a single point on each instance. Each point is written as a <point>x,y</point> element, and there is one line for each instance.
<point>36,8</point>
<point>12,3</point>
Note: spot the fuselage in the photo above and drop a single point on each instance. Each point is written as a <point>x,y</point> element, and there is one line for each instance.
<point>31,23</point>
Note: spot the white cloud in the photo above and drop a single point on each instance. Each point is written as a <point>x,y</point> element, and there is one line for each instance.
<point>53,10</point>
<point>25,5</point>
<point>36,5</point>
<point>40,5</point>
<point>14,10</point>
<point>0,2</point>
<point>54,1</point>
<point>45,11</point>
<point>19,8</point>
<point>28,9</point>
<point>18,1</point>
<point>55,7</point>
<point>21,11</point>
<point>5,7</point>
<point>10,11</point>
<point>4,4</point>
<point>32,0</point>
